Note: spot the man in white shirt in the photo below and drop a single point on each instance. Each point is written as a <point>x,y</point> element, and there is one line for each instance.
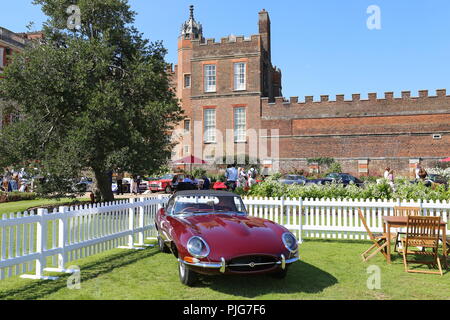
<point>232,176</point>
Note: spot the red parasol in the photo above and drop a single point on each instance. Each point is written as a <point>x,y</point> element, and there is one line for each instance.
<point>445,160</point>
<point>190,160</point>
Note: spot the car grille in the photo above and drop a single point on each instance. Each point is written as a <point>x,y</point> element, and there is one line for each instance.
<point>153,185</point>
<point>252,263</point>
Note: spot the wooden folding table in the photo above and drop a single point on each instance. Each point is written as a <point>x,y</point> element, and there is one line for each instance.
<point>401,222</point>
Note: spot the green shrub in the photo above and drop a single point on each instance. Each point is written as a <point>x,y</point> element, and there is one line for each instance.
<point>217,178</point>
<point>369,179</point>
<point>16,196</point>
<point>335,167</point>
<point>197,173</point>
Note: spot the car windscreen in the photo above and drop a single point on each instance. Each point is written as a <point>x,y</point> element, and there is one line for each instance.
<point>208,205</point>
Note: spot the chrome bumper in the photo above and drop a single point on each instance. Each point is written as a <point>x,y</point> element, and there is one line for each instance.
<point>223,266</point>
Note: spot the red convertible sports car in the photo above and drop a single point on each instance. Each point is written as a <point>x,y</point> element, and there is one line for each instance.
<point>210,232</point>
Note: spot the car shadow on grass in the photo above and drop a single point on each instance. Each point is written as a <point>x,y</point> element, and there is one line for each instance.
<point>40,289</point>
<point>301,278</point>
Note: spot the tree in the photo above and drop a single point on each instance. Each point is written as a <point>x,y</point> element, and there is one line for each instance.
<point>95,97</point>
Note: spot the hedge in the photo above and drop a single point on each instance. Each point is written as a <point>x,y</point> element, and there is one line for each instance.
<point>403,190</point>
<point>16,196</point>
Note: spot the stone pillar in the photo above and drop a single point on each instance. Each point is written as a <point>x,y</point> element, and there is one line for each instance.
<point>314,168</point>
<point>267,167</point>
<point>363,167</point>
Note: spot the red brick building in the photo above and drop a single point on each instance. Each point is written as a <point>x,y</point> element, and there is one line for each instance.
<point>11,43</point>
<point>232,85</point>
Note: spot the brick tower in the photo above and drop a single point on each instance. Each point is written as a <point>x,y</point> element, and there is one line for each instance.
<point>220,85</point>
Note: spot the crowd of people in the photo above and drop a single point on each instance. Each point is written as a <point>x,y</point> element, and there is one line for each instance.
<point>420,173</point>
<point>239,177</point>
<point>12,182</point>
<point>189,182</point>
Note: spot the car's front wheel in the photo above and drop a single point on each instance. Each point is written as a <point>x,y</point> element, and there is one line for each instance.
<point>187,276</point>
<point>168,189</point>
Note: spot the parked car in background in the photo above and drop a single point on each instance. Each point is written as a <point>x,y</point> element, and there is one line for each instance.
<point>438,179</point>
<point>293,179</point>
<point>84,185</point>
<point>211,233</point>
<point>345,179</point>
<point>145,183</point>
<point>321,181</point>
<point>126,185</point>
<point>165,183</point>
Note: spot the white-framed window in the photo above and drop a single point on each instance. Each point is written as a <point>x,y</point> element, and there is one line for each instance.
<point>187,150</point>
<point>2,57</point>
<point>187,80</point>
<point>240,125</point>
<point>210,125</point>
<point>210,77</point>
<point>240,77</point>
<point>187,126</point>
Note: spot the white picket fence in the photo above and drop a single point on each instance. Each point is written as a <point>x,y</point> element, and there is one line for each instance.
<point>36,242</point>
<point>335,218</point>
<point>47,241</point>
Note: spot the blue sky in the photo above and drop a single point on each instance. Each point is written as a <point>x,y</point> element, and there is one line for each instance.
<point>321,46</point>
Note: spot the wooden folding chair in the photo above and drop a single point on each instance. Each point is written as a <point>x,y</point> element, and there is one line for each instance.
<point>379,241</point>
<point>422,232</point>
<point>448,244</point>
<point>404,212</point>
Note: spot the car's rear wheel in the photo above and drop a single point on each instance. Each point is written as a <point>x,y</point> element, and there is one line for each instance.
<point>280,274</point>
<point>187,276</point>
<point>162,246</point>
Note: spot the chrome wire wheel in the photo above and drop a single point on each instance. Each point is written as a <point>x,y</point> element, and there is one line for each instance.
<point>187,276</point>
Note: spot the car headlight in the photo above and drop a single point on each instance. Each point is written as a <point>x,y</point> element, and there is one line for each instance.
<point>290,242</point>
<point>198,247</point>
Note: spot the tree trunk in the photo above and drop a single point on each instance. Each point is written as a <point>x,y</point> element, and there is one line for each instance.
<point>104,185</point>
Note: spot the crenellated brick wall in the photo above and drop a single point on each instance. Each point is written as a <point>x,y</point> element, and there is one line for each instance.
<point>365,135</point>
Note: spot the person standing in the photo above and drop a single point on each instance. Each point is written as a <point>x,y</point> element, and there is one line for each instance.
<point>14,183</point>
<point>391,179</point>
<point>206,183</point>
<point>386,173</point>
<point>252,177</point>
<point>120,183</point>
<point>134,185</point>
<point>138,182</point>
<point>418,168</point>
<point>232,176</point>
<point>5,184</point>
<point>242,178</point>
<point>422,174</point>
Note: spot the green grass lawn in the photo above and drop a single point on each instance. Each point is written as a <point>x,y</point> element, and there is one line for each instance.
<point>20,206</point>
<point>328,270</point>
